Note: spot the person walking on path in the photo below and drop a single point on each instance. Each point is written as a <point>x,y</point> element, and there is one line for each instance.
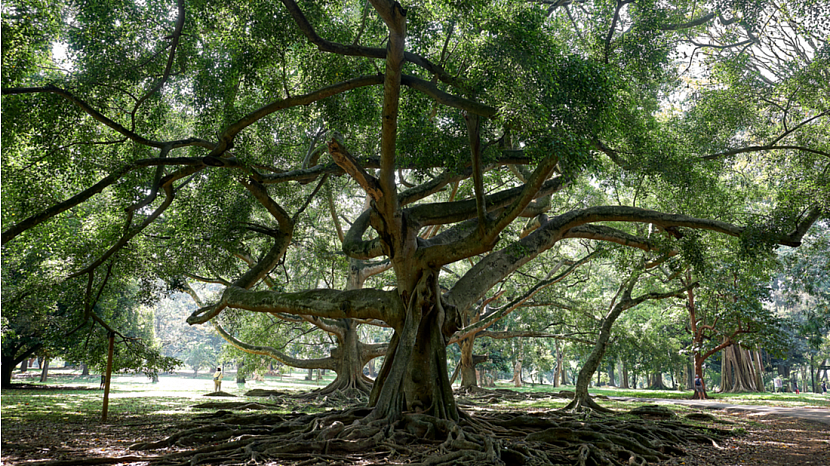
<point>778,385</point>
<point>698,386</point>
<point>795,387</point>
<point>823,387</point>
<point>217,380</point>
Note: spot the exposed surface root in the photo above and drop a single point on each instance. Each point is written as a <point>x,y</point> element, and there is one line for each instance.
<point>347,437</point>
<point>219,394</point>
<point>475,396</point>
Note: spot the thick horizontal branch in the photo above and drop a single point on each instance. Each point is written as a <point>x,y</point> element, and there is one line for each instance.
<point>333,304</point>
<point>452,212</point>
<point>493,268</point>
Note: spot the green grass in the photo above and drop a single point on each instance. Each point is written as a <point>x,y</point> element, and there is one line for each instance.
<point>133,398</point>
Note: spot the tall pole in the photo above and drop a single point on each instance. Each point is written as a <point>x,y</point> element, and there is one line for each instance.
<point>109,377</point>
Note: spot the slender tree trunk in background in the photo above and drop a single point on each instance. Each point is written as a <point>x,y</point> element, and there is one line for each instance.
<point>611,379</point>
<point>517,373</point>
<point>517,365</point>
<point>84,369</point>
<point>557,374</point>
<point>24,366</point>
<point>701,395</point>
<point>624,375</point>
<point>239,377</point>
<point>44,372</point>
<point>467,367</point>
<point>105,408</point>
<point>812,374</point>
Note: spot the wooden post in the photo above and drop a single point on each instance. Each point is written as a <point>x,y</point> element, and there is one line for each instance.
<point>109,377</point>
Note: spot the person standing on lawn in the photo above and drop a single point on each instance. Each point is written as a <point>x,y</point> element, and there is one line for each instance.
<point>217,380</point>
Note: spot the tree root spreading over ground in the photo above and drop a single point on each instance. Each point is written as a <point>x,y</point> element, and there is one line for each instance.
<point>486,436</point>
<point>345,437</point>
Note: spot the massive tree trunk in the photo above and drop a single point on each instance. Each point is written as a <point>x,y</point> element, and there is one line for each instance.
<point>414,375</point>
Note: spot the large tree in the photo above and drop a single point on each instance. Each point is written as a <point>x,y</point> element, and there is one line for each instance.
<point>162,114</point>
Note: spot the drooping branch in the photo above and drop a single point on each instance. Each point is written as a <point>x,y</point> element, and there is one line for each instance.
<point>174,44</point>
<point>506,335</point>
<point>95,114</point>
<point>359,51</point>
<point>499,313</point>
<point>167,186</point>
<point>319,363</point>
<point>86,194</point>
